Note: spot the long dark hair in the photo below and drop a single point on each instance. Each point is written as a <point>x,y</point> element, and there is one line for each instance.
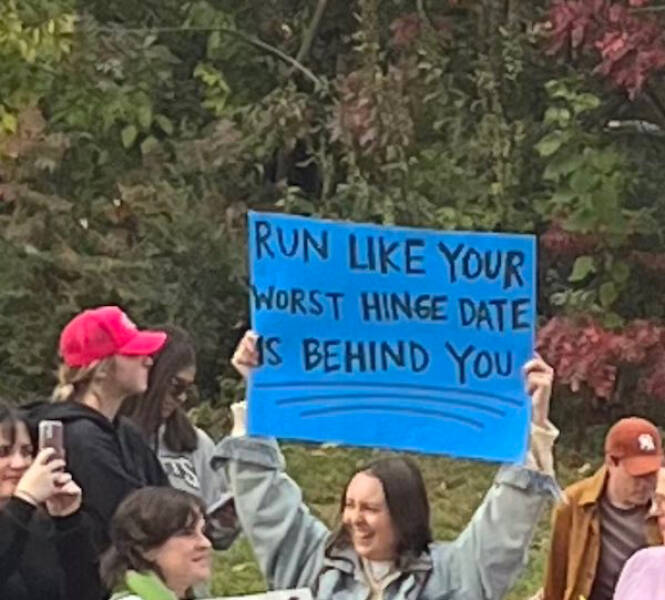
<point>406,498</point>
<point>179,433</point>
<point>145,520</point>
<point>10,417</point>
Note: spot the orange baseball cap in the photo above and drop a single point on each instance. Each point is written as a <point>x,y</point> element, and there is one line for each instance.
<point>636,442</point>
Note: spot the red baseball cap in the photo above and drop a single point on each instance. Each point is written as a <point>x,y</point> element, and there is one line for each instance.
<point>636,442</point>
<point>101,332</point>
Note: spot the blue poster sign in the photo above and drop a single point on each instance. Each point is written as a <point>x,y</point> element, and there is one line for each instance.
<point>391,337</point>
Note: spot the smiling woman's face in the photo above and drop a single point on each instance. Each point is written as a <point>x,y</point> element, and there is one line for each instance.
<point>367,519</point>
<point>15,457</point>
<point>185,559</point>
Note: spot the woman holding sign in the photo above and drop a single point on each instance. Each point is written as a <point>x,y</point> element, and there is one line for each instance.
<point>384,544</point>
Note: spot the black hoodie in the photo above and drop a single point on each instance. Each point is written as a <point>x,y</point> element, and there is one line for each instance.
<point>108,460</point>
<point>43,558</point>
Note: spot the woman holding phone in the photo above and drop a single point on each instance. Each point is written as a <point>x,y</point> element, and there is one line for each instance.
<point>45,550</point>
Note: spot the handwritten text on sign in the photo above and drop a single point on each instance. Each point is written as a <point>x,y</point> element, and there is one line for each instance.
<point>391,337</point>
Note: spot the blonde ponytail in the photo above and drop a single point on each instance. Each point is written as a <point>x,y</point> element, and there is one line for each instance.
<point>73,382</point>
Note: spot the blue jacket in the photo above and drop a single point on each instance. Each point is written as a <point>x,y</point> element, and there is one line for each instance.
<point>292,549</point>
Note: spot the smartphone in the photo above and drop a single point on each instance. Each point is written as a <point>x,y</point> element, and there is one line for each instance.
<point>51,435</point>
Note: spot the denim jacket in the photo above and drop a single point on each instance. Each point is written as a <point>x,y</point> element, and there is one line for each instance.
<point>292,549</point>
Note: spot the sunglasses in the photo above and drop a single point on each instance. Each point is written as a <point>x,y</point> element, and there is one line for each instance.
<point>181,386</point>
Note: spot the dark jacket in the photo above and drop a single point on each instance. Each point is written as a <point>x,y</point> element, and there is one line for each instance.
<point>575,545</point>
<point>43,558</point>
<point>108,460</point>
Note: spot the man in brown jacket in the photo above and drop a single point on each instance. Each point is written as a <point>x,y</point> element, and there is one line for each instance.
<point>606,517</point>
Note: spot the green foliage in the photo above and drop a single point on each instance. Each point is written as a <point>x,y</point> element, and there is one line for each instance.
<point>588,174</point>
<point>34,38</point>
<point>590,181</point>
<point>131,155</point>
<point>136,136</point>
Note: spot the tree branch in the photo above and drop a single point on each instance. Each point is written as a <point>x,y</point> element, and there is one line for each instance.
<point>310,34</point>
<point>242,36</point>
<point>647,9</point>
<point>655,103</point>
<point>422,13</point>
<point>428,23</point>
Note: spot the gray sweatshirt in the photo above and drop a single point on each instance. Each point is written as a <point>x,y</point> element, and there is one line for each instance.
<point>191,472</point>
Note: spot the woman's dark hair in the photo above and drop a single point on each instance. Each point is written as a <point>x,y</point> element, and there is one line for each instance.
<point>145,520</point>
<point>179,433</point>
<point>10,417</point>
<point>406,498</point>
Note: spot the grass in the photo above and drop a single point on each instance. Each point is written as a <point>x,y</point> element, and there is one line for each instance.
<point>455,489</point>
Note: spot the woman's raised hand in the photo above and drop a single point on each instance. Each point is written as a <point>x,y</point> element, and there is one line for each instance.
<point>246,356</point>
<point>539,379</point>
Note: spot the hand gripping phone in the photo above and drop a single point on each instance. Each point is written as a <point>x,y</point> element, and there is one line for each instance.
<point>51,435</point>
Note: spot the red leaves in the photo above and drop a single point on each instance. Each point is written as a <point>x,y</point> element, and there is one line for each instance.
<point>653,384</point>
<point>613,46</point>
<point>566,244</point>
<point>629,45</point>
<point>580,354</point>
<point>373,112</point>
<point>573,23</point>
<point>405,30</point>
<point>408,27</point>
<point>653,262</point>
<point>584,353</point>
<point>632,51</point>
